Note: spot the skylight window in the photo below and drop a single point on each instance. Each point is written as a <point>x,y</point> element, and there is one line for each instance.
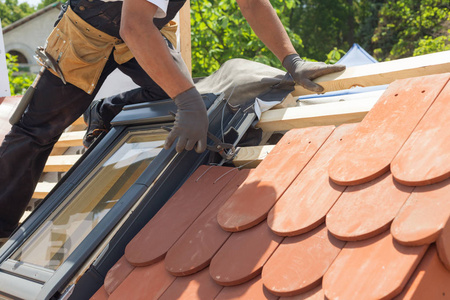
<point>53,242</point>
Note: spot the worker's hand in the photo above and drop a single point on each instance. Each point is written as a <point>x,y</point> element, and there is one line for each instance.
<point>305,72</point>
<point>191,122</point>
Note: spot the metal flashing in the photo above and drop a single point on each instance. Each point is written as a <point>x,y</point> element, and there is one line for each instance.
<point>154,112</point>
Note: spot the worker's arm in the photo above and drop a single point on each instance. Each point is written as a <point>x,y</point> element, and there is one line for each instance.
<point>150,50</point>
<point>265,23</point>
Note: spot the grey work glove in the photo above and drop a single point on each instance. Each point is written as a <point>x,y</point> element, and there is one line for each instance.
<point>304,72</point>
<point>191,122</point>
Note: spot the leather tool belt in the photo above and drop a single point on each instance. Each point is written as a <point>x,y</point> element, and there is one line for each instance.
<point>82,50</point>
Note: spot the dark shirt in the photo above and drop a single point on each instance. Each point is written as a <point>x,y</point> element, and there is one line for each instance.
<point>106,16</point>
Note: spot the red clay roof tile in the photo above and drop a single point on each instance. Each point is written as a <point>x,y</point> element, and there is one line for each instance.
<point>314,294</point>
<point>164,229</point>
<point>377,268</point>
<point>299,262</point>
<point>144,283</point>
<point>195,249</point>
<point>428,206</point>
<point>196,287</point>
<point>306,202</point>
<point>385,129</point>
<point>425,157</point>
<point>117,274</point>
<point>101,294</point>
<point>251,290</point>
<point>252,202</point>
<point>243,255</point>
<point>429,281</point>
<point>443,246</point>
<point>368,209</point>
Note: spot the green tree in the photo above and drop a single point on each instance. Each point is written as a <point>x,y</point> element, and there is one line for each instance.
<point>18,83</point>
<point>366,17</point>
<point>11,11</point>
<point>406,25</point>
<point>45,3</point>
<point>220,32</point>
<point>323,25</point>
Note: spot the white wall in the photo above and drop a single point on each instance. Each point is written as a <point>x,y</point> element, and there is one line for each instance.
<point>4,83</point>
<point>26,37</point>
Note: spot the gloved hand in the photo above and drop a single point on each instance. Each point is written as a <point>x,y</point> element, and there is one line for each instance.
<point>191,122</point>
<point>304,72</point>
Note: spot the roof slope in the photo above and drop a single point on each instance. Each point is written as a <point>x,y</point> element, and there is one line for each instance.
<point>322,215</point>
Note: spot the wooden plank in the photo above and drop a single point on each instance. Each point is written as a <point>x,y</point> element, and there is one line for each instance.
<point>60,163</point>
<point>383,73</point>
<point>58,151</point>
<point>288,101</point>
<point>185,34</point>
<point>250,157</point>
<point>70,139</point>
<point>335,113</point>
<point>79,121</point>
<point>42,189</point>
<point>25,215</point>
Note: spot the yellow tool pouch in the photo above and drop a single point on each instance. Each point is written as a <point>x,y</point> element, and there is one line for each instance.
<point>82,51</point>
<point>169,31</point>
<point>122,54</point>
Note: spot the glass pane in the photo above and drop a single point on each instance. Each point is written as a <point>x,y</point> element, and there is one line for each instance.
<point>72,221</point>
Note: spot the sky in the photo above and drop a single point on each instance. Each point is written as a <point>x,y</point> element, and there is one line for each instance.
<point>31,2</point>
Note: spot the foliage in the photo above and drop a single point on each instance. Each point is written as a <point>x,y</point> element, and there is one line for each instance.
<point>367,16</point>
<point>323,25</point>
<point>334,56</point>
<point>220,32</point>
<point>18,83</point>
<point>11,11</point>
<point>430,45</point>
<point>45,3</point>
<point>408,24</point>
<point>320,30</point>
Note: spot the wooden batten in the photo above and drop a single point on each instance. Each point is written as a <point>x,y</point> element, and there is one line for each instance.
<point>335,113</point>
<point>185,34</point>
<point>383,73</point>
<point>70,139</point>
<point>288,115</point>
<point>60,163</point>
<point>250,157</point>
<point>42,189</point>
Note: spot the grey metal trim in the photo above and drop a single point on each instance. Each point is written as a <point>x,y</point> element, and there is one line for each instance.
<point>33,272</point>
<point>18,287</point>
<point>154,112</point>
<point>67,269</point>
<point>67,184</point>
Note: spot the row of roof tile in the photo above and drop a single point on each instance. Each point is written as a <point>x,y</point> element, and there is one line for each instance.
<point>321,216</point>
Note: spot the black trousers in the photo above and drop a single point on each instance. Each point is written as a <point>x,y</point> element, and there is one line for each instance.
<point>53,108</point>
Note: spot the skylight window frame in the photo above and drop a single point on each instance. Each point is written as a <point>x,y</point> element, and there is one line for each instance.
<point>187,161</point>
<point>35,274</point>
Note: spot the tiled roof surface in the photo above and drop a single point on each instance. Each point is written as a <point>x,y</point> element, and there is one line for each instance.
<point>321,216</point>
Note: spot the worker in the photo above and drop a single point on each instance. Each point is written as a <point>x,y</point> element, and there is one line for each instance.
<point>93,38</point>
